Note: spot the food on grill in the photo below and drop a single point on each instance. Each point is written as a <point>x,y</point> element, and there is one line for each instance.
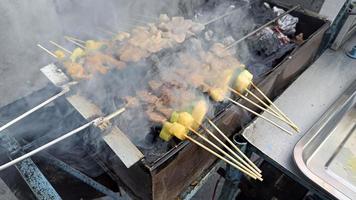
<point>198,113</point>
<point>121,36</point>
<point>186,119</point>
<point>60,54</point>
<point>155,117</point>
<point>75,70</point>
<point>99,62</point>
<point>166,111</point>
<point>165,133</point>
<point>147,97</point>
<point>93,45</point>
<point>131,102</point>
<point>77,53</point>
<point>243,81</point>
<point>131,53</point>
<point>154,84</point>
<point>178,130</point>
<point>217,94</point>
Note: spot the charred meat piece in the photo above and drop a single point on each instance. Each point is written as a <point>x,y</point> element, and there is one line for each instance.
<point>154,84</point>
<point>219,50</point>
<point>131,53</point>
<point>155,116</point>
<point>131,102</point>
<point>147,97</point>
<point>166,111</point>
<point>75,70</point>
<point>101,63</point>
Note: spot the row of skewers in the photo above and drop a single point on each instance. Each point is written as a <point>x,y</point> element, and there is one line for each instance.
<point>231,76</point>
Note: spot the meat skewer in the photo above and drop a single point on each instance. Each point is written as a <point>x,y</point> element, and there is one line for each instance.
<point>295,127</point>
<point>219,156</point>
<point>181,132</point>
<point>262,108</point>
<point>48,51</point>
<point>235,147</point>
<point>258,176</point>
<point>273,105</point>
<point>250,168</point>
<point>182,122</point>
<point>61,47</point>
<point>75,39</point>
<point>261,116</point>
<point>74,42</point>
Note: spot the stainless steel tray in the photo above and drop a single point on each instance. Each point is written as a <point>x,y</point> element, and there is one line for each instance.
<point>326,154</point>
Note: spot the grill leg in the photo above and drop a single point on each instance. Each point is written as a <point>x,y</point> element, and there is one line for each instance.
<point>79,175</point>
<point>34,178</point>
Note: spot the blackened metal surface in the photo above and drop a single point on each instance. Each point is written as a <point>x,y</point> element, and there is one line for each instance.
<point>34,178</point>
<point>277,80</point>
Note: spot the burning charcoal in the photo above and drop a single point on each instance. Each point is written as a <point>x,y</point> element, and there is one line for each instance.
<point>265,42</point>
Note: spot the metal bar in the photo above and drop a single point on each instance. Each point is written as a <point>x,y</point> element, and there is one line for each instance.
<point>97,122</point>
<point>79,175</point>
<point>53,142</point>
<point>7,125</point>
<point>34,178</point>
<point>262,27</point>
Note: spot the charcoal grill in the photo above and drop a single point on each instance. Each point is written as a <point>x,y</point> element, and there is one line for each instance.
<point>165,175</point>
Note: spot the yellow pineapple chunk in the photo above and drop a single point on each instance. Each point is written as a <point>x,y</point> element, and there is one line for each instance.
<point>186,119</point>
<point>178,130</point>
<point>165,134</point>
<point>243,81</point>
<point>199,111</point>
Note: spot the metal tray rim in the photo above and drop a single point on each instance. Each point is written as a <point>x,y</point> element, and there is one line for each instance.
<point>312,132</point>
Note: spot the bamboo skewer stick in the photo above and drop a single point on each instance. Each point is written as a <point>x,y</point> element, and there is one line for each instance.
<point>61,47</point>
<point>226,154</point>
<point>232,152</point>
<point>74,42</point>
<point>219,17</point>
<point>270,102</point>
<point>262,102</point>
<point>220,157</point>
<point>235,147</point>
<point>46,50</point>
<point>263,117</point>
<point>264,109</point>
<point>75,39</point>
